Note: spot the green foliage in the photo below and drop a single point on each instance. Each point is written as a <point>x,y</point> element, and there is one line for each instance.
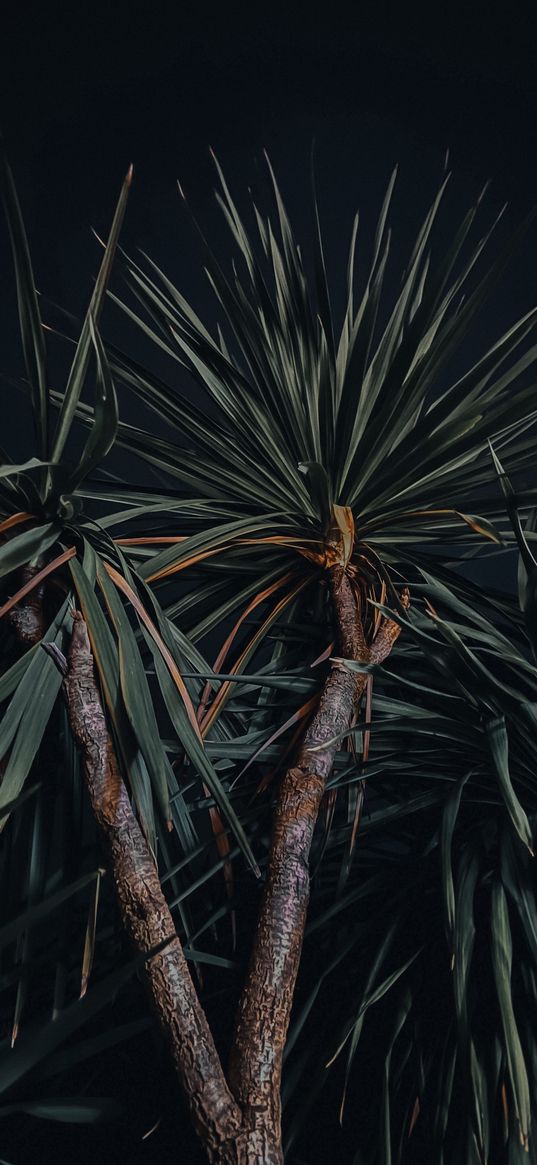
<point>423,894</point>
<point>45,493</point>
<point>434,924</point>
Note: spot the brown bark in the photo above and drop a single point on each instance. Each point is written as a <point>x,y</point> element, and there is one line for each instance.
<point>28,618</point>
<point>265,1005</point>
<point>144,910</point>
<point>239,1123</point>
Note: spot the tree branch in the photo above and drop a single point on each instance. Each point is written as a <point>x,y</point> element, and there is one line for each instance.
<point>387,633</point>
<point>27,618</point>
<point>144,911</point>
<point>267,996</point>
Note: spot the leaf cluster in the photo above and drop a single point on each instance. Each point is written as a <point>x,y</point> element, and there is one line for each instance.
<point>289,440</point>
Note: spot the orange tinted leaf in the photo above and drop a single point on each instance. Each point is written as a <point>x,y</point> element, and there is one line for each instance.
<point>223,692</point>
<point>153,541</point>
<point>14,520</point>
<point>167,571</point>
<point>306,708</point>
<point>328,651</point>
<point>36,579</point>
<point>415,1115</point>
<point>221,657</point>
<point>127,590</point>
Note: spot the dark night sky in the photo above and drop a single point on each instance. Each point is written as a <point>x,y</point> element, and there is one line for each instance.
<point>86,90</point>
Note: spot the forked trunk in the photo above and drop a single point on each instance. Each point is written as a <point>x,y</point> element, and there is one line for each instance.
<point>238,1119</point>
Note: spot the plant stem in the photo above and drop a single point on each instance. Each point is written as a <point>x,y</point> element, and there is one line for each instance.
<point>144,911</point>
<point>28,617</point>
<point>265,1004</point>
<point>239,1123</point>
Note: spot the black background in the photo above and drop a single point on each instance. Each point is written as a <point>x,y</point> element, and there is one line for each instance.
<point>86,90</point>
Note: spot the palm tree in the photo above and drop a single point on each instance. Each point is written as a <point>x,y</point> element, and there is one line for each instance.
<point>308,484</point>
<point>323,462</point>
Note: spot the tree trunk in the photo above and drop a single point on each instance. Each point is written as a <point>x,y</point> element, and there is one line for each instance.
<point>238,1123</point>
<point>28,618</point>
<point>259,1146</point>
<point>265,1006</point>
<point>144,911</point>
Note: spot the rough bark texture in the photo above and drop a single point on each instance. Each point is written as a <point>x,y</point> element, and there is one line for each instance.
<point>144,911</point>
<point>28,618</point>
<point>266,1001</point>
<point>239,1123</point>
